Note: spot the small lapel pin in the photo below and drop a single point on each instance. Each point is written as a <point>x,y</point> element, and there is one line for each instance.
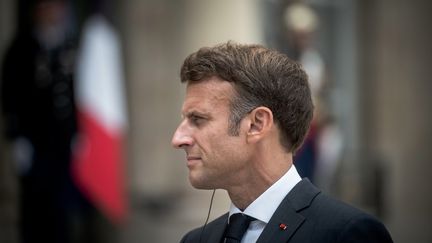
<point>282,226</point>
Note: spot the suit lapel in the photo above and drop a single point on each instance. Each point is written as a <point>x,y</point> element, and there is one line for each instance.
<point>274,230</point>
<point>287,219</point>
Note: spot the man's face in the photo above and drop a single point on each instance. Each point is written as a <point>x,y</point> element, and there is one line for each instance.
<point>214,158</point>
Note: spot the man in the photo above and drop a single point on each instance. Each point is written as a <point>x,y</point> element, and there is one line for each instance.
<point>246,112</point>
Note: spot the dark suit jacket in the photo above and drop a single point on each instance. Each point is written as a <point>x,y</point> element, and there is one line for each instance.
<point>310,216</point>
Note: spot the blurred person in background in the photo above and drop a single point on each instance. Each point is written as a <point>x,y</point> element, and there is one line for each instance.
<point>321,151</point>
<point>246,112</point>
<point>40,121</point>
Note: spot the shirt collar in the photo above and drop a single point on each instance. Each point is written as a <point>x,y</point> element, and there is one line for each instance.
<point>266,204</point>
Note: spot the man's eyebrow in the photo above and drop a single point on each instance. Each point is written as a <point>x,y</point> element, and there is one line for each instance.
<point>196,113</point>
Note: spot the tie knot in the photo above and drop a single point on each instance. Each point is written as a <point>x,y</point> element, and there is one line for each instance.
<point>237,226</point>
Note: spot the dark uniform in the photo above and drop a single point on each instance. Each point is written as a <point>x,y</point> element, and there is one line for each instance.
<point>38,107</point>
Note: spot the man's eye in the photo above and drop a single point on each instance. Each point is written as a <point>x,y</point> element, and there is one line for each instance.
<point>196,120</point>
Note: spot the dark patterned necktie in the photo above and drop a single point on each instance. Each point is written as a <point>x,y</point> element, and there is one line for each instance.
<point>238,224</point>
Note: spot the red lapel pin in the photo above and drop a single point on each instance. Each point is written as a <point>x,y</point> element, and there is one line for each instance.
<point>282,226</point>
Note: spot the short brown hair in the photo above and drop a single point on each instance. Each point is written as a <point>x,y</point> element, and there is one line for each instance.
<point>261,77</point>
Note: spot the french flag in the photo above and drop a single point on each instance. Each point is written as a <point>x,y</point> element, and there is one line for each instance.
<point>99,164</point>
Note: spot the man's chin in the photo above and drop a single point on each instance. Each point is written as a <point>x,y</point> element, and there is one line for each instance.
<point>200,184</point>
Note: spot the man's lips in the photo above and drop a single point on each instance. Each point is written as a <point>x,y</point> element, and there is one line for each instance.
<point>191,160</point>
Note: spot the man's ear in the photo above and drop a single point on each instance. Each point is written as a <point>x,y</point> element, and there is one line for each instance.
<point>261,122</point>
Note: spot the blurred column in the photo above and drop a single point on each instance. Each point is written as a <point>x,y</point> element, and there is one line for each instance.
<point>396,58</point>
<point>152,31</point>
<point>211,22</point>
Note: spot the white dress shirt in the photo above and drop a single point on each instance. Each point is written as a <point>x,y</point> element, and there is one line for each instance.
<point>266,204</point>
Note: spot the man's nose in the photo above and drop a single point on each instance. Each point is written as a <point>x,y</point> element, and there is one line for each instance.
<point>181,138</point>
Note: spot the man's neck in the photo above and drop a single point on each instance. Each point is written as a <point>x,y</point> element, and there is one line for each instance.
<point>262,175</point>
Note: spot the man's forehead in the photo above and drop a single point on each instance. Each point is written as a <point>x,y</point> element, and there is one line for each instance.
<point>200,95</point>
